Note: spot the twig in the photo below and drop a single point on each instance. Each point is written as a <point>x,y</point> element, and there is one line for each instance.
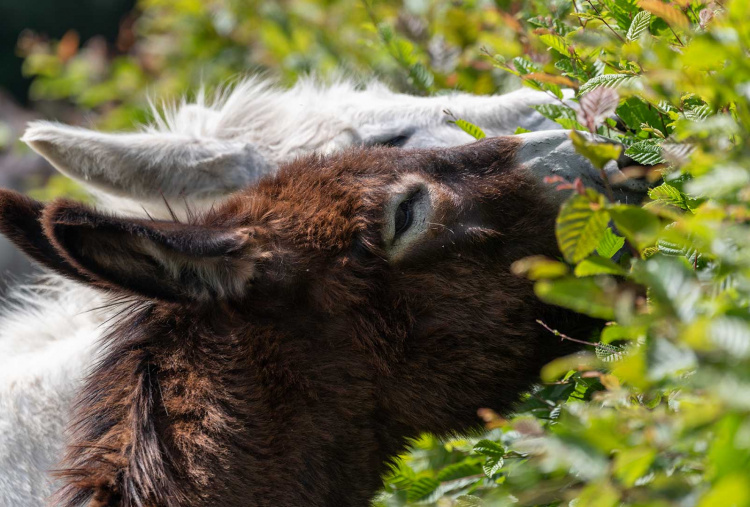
<point>575,7</point>
<point>564,336</point>
<point>605,22</point>
<point>675,35</point>
<point>607,186</point>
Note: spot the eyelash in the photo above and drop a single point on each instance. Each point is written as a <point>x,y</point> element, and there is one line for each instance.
<point>406,208</point>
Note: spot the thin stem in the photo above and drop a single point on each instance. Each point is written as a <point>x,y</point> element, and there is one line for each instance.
<point>607,186</point>
<point>676,36</point>
<point>605,22</point>
<point>564,336</point>
<point>575,7</point>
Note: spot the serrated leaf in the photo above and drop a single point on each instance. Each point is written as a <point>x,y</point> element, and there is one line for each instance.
<point>421,488</point>
<point>489,448</point>
<point>639,25</point>
<point>554,111</point>
<point>420,76</point>
<point>667,194</point>
<point>401,476</point>
<point>570,124</point>
<point>495,454</point>
<point>525,66</point>
<point>596,106</point>
<point>645,152</point>
<point>610,244</point>
<point>492,466</point>
<point>470,128</point>
<point>597,266</point>
<point>555,42</point>
<point>597,153</point>
<point>459,470</point>
<point>581,225</point>
<point>608,353</point>
<point>606,80</point>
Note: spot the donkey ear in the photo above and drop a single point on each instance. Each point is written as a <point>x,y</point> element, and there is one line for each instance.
<point>148,166</point>
<point>20,223</point>
<point>158,260</point>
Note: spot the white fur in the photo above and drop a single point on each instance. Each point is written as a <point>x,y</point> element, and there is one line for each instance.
<point>209,148</point>
<point>48,331</point>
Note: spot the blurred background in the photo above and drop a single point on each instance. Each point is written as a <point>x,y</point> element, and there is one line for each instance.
<point>96,63</point>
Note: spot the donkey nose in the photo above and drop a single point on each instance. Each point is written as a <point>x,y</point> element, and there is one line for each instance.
<point>551,153</point>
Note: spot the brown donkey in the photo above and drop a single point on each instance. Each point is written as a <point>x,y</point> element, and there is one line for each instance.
<point>281,348</point>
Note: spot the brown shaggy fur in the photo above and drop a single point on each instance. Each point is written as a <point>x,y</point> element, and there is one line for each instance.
<point>296,390</point>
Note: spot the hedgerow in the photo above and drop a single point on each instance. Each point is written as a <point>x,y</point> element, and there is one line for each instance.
<point>656,410</point>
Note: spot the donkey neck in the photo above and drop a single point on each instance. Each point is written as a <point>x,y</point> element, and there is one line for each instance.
<point>183,411</point>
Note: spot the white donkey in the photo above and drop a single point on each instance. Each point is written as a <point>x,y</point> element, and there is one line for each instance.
<point>191,156</point>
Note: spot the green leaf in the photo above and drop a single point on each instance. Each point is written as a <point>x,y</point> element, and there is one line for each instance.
<point>733,489</point>
<point>468,501</point>
<point>645,152</point>
<point>421,488</point>
<point>470,128</point>
<point>608,353</point>
<point>580,225</point>
<point>495,454</point>
<point>667,194</point>
<point>597,266</point>
<point>459,470</point>
<point>401,475</point>
<point>584,295</point>
<point>555,42</point>
<point>492,466</point>
<point>555,111</point>
<point>489,448</point>
<point>639,25</point>
<point>608,80</point>
<point>638,225</point>
<point>598,153</point>
<point>598,495</point>
<point>672,285</point>
<point>538,267</point>
<point>521,130</point>
<point>570,124</point>
<point>525,66</point>
<point>610,244</point>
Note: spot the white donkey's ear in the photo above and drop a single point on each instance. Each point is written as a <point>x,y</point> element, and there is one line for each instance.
<point>147,166</point>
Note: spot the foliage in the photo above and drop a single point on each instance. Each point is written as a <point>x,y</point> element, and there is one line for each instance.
<point>657,411</point>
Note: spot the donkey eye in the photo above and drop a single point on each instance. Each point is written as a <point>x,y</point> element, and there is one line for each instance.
<point>404,215</point>
<point>395,141</point>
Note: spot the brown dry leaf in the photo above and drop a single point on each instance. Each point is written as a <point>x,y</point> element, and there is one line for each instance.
<point>596,106</point>
<point>669,13</point>
<point>551,79</point>
<point>610,382</point>
<point>68,45</point>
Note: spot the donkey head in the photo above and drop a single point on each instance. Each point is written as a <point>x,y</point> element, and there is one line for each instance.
<point>280,348</point>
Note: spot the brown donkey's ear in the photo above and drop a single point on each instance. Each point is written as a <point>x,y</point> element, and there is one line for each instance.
<point>159,260</point>
<point>20,223</point>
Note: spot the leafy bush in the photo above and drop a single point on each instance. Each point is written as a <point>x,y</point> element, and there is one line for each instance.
<point>657,411</point>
